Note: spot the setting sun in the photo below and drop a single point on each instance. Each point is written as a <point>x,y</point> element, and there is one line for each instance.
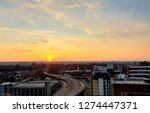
<point>50,57</point>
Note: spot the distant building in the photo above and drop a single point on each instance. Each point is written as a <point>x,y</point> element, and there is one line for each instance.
<point>35,88</point>
<point>5,88</point>
<point>138,71</point>
<point>110,66</point>
<point>121,76</point>
<point>77,74</point>
<point>131,87</point>
<point>119,67</point>
<point>100,82</point>
<point>115,73</point>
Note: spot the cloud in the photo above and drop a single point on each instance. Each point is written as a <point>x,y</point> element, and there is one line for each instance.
<point>118,28</point>
<point>39,11</point>
<point>32,11</point>
<point>43,41</point>
<point>10,31</point>
<point>29,32</point>
<point>138,30</point>
<point>89,17</point>
<point>82,4</point>
<point>41,1</point>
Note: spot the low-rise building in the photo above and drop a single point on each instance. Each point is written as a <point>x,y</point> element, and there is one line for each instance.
<point>131,87</point>
<point>5,88</point>
<point>35,88</point>
<point>138,71</point>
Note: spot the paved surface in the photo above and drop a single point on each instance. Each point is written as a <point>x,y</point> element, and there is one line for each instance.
<point>71,87</point>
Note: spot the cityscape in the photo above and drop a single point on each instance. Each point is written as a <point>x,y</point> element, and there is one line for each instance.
<point>75,79</point>
<point>74,48</point>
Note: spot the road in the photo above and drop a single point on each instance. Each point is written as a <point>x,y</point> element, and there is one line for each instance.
<point>71,86</point>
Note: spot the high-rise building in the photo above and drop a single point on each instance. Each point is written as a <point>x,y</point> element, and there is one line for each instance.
<point>100,82</point>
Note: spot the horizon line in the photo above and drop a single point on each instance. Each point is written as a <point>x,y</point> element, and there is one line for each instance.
<point>78,61</point>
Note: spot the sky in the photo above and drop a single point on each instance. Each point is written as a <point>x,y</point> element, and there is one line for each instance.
<point>74,30</point>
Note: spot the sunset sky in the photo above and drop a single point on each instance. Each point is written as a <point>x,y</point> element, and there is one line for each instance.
<point>74,30</point>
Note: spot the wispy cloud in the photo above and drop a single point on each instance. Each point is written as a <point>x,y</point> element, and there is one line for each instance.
<point>10,35</point>
<point>83,4</point>
<point>37,11</point>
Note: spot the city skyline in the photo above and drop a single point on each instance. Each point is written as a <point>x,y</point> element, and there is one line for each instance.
<point>74,30</point>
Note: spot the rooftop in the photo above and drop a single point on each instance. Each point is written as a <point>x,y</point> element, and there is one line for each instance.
<point>139,66</point>
<point>33,84</point>
<point>7,83</point>
<point>132,82</point>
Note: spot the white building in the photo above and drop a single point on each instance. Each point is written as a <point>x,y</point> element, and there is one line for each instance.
<point>121,76</point>
<point>138,71</point>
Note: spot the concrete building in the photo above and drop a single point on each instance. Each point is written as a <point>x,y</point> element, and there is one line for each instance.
<point>100,82</point>
<point>35,88</point>
<point>131,87</point>
<point>138,71</point>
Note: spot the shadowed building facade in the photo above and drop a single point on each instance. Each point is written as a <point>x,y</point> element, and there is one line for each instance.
<point>35,88</point>
<point>131,87</point>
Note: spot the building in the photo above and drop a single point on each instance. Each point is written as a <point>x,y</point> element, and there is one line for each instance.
<point>77,74</point>
<point>5,88</point>
<point>122,76</point>
<point>35,88</point>
<point>114,73</point>
<point>110,66</point>
<point>100,82</point>
<point>131,87</point>
<point>138,71</point>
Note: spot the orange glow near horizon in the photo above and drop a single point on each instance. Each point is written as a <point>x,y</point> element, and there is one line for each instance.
<point>50,58</point>
<point>91,50</point>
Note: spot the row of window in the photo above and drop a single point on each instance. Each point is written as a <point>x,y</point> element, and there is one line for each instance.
<point>28,92</point>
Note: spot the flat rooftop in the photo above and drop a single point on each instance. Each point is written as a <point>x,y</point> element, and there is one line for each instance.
<point>131,82</point>
<point>33,84</point>
<point>139,66</point>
